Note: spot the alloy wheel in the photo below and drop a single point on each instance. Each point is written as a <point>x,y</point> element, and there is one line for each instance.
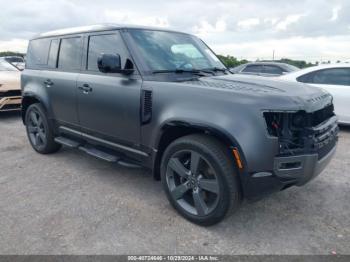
<point>36,129</point>
<point>193,183</point>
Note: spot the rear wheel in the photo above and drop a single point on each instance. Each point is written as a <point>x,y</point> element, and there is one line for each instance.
<point>39,131</point>
<point>200,179</point>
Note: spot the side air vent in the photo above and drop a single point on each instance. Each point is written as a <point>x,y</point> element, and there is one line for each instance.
<point>146,106</point>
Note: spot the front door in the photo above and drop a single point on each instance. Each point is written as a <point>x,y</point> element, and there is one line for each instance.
<point>108,103</point>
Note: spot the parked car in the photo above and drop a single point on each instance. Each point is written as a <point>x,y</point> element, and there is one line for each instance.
<point>264,69</point>
<point>335,78</point>
<point>10,87</point>
<point>17,61</point>
<point>161,99</point>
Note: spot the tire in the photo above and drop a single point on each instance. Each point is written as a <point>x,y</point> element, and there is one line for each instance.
<point>189,182</point>
<point>39,130</point>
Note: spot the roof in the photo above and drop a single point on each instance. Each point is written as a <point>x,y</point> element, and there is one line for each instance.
<point>286,66</point>
<point>96,28</point>
<point>267,63</point>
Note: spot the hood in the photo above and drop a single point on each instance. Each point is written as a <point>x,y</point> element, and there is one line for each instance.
<point>303,96</point>
<point>10,80</point>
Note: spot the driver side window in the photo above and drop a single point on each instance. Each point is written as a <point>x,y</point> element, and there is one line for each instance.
<point>105,44</point>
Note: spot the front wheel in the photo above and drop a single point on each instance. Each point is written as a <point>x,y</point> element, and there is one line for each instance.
<point>39,131</point>
<point>200,179</point>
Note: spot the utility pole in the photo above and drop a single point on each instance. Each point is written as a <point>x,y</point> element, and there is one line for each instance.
<point>273,55</point>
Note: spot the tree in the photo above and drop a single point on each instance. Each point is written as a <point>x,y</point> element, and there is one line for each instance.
<point>10,53</point>
<point>297,63</point>
<point>231,61</point>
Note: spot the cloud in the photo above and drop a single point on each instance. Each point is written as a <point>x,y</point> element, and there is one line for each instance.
<point>248,23</point>
<point>335,13</point>
<point>241,23</point>
<point>288,21</point>
<point>295,47</point>
<point>205,28</point>
<point>124,17</point>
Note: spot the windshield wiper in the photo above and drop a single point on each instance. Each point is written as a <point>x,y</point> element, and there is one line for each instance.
<point>218,69</point>
<point>180,71</point>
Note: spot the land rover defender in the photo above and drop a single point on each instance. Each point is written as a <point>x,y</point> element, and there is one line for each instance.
<point>162,100</point>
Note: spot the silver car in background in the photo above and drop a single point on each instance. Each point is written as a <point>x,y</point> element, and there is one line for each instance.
<point>334,78</point>
<point>264,69</point>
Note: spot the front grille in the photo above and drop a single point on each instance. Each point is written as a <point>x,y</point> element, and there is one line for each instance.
<point>10,107</point>
<point>304,133</point>
<point>322,152</point>
<point>322,115</point>
<point>10,93</point>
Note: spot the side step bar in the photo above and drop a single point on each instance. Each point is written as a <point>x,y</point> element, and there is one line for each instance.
<point>95,152</point>
<point>99,154</point>
<point>66,142</point>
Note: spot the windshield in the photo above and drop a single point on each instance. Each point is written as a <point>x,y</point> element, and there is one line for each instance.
<point>173,51</point>
<point>5,66</point>
<point>292,68</point>
<point>14,59</point>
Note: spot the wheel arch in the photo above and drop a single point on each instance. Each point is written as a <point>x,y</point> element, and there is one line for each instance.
<point>172,130</point>
<point>28,100</point>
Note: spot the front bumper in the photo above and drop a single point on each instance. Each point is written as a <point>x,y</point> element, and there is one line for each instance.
<point>288,171</point>
<point>301,169</point>
<point>11,103</point>
<point>295,170</point>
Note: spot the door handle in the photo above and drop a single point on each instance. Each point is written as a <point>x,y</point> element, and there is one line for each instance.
<point>48,82</point>
<point>86,88</point>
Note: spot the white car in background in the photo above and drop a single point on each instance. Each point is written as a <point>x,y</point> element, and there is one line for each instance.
<point>335,78</point>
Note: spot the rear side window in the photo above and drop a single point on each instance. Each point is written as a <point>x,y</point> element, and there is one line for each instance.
<point>52,60</point>
<point>38,51</point>
<point>70,54</point>
<point>273,70</point>
<point>253,69</point>
<point>104,44</point>
<point>333,76</point>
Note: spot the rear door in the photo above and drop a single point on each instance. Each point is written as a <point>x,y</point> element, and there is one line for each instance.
<point>61,79</point>
<point>110,109</point>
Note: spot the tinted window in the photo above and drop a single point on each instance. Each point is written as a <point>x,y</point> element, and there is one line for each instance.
<point>14,59</point>
<point>104,44</point>
<point>53,53</point>
<point>273,70</point>
<point>38,52</point>
<point>69,56</point>
<point>334,76</point>
<point>253,69</point>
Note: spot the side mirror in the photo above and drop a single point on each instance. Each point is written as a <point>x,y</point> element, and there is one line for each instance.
<point>111,63</point>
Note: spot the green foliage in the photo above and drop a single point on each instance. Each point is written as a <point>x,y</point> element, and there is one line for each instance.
<point>231,61</point>
<point>297,63</point>
<point>9,53</point>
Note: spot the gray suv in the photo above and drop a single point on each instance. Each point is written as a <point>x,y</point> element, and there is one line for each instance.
<point>162,100</point>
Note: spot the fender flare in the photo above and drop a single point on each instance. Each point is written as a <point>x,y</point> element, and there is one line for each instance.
<point>215,131</point>
<point>30,96</point>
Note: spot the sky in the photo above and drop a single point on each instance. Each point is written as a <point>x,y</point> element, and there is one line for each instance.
<point>312,30</point>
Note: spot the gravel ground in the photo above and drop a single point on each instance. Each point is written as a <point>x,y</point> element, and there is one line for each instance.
<point>71,203</point>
